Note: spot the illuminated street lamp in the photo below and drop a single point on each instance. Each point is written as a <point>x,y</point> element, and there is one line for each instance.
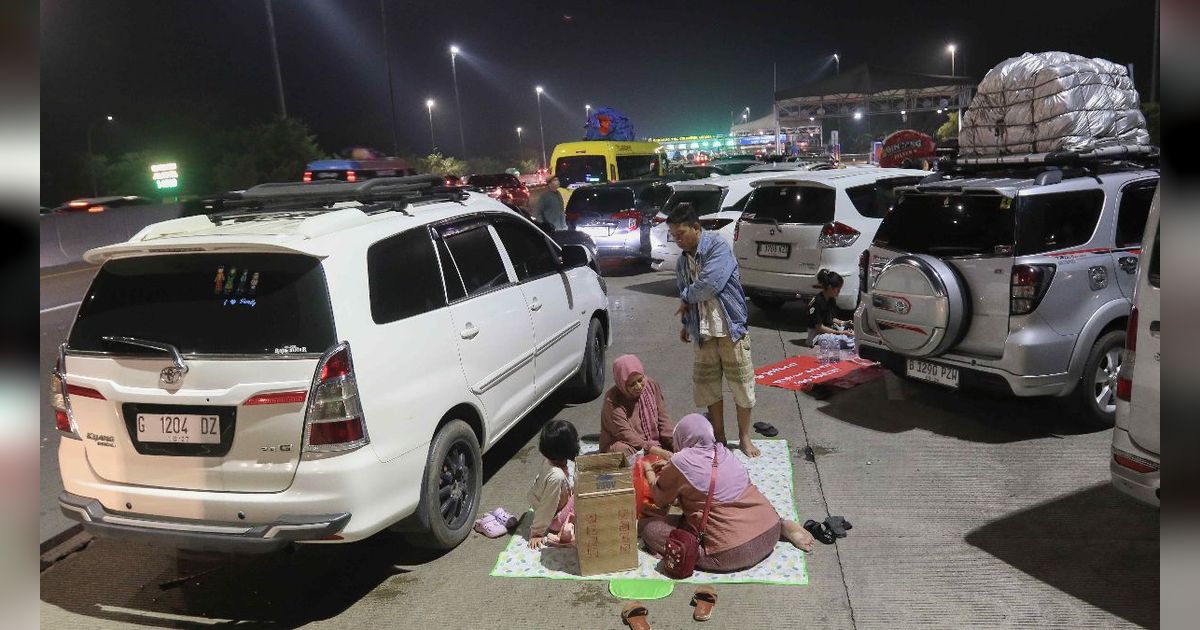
<point>541,129</point>
<point>857,115</point>
<point>587,112</point>
<point>454,50</point>
<point>837,60</point>
<point>432,141</point>
<point>950,49</point>
<point>520,147</point>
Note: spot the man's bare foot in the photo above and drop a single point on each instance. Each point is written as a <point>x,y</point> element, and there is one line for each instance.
<point>798,536</point>
<point>747,446</point>
<point>721,439</point>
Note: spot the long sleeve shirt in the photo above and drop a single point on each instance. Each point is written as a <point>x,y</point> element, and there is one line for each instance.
<point>621,421</point>
<point>549,491</point>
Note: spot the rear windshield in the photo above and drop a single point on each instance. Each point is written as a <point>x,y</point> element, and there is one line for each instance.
<point>791,204</point>
<point>208,304</point>
<point>492,180</point>
<point>706,201</point>
<point>636,166</point>
<point>600,200</point>
<point>581,169</point>
<point>949,225</point>
<point>876,200</point>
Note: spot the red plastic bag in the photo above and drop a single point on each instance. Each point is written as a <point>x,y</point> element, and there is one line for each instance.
<point>641,489</point>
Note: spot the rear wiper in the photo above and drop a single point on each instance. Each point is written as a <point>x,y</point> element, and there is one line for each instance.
<point>176,356</point>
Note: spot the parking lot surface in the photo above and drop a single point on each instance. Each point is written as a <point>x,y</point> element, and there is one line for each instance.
<point>969,510</point>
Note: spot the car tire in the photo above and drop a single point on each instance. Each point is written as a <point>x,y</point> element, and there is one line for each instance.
<point>1095,394</point>
<point>588,383</point>
<point>766,303</point>
<point>454,462</point>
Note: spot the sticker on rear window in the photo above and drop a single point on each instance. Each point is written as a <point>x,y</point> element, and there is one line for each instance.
<point>291,350</point>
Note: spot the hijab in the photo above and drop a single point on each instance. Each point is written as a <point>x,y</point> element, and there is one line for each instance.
<point>694,449</point>
<point>623,368</point>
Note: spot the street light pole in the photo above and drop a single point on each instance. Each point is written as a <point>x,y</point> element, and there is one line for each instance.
<point>587,113</point>
<point>92,157</point>
<point>432,141</point>
<point>541,129</point>
<point>275,58</point>
<point>520,147</point>
<point>951,48</point>
<point>387,62</point>
<point>837,60</point>
<point>457,102</point>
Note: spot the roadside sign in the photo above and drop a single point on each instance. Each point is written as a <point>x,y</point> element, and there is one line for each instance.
<point>165,176</point>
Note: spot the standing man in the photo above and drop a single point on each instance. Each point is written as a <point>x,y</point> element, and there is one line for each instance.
<point>713,311</point>
<point>549,206</point>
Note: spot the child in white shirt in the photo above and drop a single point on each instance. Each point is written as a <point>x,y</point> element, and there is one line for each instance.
<point>552,493</point>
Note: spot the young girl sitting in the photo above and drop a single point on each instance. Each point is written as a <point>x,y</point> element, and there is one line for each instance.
<point>821,309</point>
<point>552,495</point>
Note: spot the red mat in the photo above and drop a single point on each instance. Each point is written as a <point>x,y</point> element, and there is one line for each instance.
<point>803,372</point>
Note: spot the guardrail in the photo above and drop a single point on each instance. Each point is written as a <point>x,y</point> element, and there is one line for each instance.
<point>65,236</point>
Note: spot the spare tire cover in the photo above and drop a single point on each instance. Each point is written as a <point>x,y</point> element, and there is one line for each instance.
<point>918,305</point>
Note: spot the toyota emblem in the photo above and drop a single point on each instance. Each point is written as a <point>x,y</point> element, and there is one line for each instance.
<point>170,375</point>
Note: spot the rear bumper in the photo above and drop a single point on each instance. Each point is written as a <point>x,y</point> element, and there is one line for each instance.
<point>1142,486</point>
<point>619,245</point>
<point>971,375</point>
<point>199,535</point>
<point>796,286</point>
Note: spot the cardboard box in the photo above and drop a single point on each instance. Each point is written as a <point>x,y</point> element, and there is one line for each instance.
<point>605,515</point>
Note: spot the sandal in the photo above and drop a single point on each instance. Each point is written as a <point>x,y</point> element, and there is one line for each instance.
<point>766,429</point>
<point>704,599</point>
<point>490,527</point>
<point>505,518</point>
<point>634,615</point>
<point>819,531</point>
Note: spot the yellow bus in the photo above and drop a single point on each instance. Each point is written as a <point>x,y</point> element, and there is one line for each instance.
<point>597,161</point>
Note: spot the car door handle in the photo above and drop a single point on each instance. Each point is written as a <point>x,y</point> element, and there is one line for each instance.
<point>535,305</point>
<point>1154,326</point>
<point>469,332</point>
<point>1128,263</point>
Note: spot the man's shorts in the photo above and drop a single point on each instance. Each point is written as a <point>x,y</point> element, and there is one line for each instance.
<point>719,357</point>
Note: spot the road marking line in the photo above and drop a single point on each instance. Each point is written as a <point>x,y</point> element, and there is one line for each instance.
<point>67,273</point>
<point>60,307</point>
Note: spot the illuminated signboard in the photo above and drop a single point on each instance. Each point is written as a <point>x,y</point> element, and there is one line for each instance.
<point>165,176</point>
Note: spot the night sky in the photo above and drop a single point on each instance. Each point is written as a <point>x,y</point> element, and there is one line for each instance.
<point>163,67</point>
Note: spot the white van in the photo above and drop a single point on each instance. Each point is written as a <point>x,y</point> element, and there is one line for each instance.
<point>1136,437</point>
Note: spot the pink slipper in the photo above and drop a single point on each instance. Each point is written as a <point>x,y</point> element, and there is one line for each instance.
<point>505,518</point>
<point>490,527</point>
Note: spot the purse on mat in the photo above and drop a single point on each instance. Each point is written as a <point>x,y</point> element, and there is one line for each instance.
<point>683,546</point>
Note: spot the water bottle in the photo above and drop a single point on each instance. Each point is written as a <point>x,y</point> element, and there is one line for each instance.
<point>828,350</point>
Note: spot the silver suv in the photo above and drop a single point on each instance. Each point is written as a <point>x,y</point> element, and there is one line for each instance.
<point>1009,278</point>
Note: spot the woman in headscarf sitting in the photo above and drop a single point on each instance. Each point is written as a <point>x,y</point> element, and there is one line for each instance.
<point>634,417</point>
<point>742,526</point>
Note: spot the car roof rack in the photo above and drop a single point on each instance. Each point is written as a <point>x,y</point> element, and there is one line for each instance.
<point>311,195</point>
<point>1138,156</point>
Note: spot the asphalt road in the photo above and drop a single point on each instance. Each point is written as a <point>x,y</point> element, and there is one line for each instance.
<point>968,511</point>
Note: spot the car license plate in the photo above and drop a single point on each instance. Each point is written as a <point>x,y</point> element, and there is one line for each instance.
<point>179,428</point>
<point>934,373</point>
<point>597,231</point>
<point>774,250</point>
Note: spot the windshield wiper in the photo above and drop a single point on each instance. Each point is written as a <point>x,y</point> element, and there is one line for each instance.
<point>176,356</point>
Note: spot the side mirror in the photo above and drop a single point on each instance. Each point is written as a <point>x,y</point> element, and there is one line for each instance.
<point>574,256</point>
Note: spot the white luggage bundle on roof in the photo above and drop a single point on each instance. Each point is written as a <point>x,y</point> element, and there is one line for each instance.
<point>1053,101</point>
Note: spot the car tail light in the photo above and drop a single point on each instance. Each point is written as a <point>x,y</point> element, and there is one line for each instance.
<point>1133,462</point>
<point>60,399</point>
<point>96,209</point>
<point>1125,375</point>
<point>837,234</point>
<point>1029,284</point>
<point>737,228</point>
<point>864,264</point>
<point>276,398</point>
<point>307,176</point>
<point>351,176</point>
<point>78,203</point>
<point>333,420</point>
<point>632,219</point>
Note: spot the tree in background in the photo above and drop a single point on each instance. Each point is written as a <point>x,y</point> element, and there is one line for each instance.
<point>527,166</point>
<point>438,164</point>
<point>275,151</point>
<point>487,165</point>
<point>949,129</point>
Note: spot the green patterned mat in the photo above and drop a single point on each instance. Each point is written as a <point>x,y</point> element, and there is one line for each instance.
<point>771,472</point>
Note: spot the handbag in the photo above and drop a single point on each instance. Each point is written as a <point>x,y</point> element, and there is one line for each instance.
<point>683,546</point>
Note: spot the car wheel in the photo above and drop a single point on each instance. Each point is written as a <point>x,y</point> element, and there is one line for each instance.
<point>451,489</point>
<point>1096,393</point>
<point>589,380</point>
<point>766,303</point>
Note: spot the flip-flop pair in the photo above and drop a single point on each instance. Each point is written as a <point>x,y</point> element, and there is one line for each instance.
<point>766,429</point>
<point>636,616</point>
<point>496,523</point>
<point>820,531</point>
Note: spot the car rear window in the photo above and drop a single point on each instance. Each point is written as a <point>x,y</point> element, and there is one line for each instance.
<point>950,225</point>
<point>705,201</point>
<point>208,304</point>
<point>602,200</point>
<point>1051,222</point>
<point>581,169</point>
<point>791,204</point>
<point>875,200</point>
<point>636,166</point>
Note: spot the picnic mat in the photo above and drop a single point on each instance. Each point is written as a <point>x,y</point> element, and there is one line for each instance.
<point>803,372</point>
<point>771,472</point>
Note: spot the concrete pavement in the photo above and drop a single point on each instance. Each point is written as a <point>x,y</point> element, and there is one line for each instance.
<point>968,511</point>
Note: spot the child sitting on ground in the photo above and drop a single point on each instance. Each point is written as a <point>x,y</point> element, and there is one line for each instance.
<point>822,323</point>
<point>552,493</point>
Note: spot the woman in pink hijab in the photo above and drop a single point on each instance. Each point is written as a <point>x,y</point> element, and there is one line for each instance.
<point>742,527</point>
<point>634,417</point>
